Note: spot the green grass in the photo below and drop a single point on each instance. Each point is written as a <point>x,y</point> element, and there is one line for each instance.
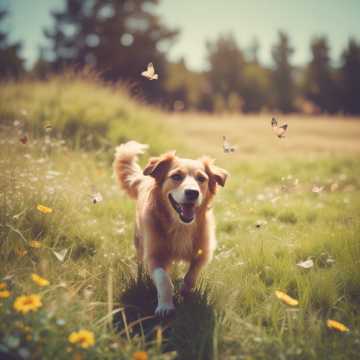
<point>82,110</point>
<point>234,313</point>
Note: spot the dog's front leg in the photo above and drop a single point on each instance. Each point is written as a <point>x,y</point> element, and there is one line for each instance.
<point>193,273</point>
<point>165,290</point>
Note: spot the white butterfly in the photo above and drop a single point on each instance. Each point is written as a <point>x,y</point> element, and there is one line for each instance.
<point>227,146</point>
<point>307,264</point>
<point>96,198</point>
<point>317,189</point>
<point>48,127</point>
<point>278,130</point>
<point>149,73</point>
<point>260,223</point>
<point>60,255</point>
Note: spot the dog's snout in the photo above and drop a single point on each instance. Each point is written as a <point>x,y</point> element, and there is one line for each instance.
<point>191,194</point>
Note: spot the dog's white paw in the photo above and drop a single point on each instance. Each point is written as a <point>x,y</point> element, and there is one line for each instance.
<point>165,310</point>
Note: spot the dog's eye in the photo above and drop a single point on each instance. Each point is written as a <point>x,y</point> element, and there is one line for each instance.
<point>176,177</point>
<point>201,178</point>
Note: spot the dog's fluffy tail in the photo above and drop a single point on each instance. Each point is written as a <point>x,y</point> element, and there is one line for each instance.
<point>126,169</point>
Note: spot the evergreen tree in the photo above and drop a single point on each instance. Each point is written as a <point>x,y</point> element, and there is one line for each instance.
<point>117,38</point>
<point>283,88</point>
<point>256,88</point>
<point>350,78</point>
<point>226,62</point>
<point>11,64</point>
<point>41,68</point>
<point>320,85</point>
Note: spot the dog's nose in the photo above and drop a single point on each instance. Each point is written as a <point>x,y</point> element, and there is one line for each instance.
<point>191,194</point>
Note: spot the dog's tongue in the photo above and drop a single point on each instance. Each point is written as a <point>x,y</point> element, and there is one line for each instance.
<point>187,212</point>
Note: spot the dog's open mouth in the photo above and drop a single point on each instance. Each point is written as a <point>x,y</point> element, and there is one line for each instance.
<point>186,211</point>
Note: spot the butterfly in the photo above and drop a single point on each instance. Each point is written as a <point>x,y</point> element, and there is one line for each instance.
<point>96,198</point>
<point>48,127</point>
<point>24,139</point>
<point>317,189</point>
<point>260,223</point>
<point>149,73</point>
<point>278,130</point>
<point>307,264</point>
<point>227,146</point>
<point>60,255</point>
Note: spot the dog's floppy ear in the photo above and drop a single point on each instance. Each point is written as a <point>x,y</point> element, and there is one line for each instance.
<point>157,167</point>
<point>216,174</point>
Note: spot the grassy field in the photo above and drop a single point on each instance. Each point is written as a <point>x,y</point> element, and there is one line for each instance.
<point>269,219</point>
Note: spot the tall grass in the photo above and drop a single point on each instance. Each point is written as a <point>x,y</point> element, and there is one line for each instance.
<point>85,112</point>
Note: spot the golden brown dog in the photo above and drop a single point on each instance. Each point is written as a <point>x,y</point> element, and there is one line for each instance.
<point>174,219</point>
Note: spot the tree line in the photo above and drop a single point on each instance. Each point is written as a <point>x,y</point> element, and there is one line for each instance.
<point>118,38</point>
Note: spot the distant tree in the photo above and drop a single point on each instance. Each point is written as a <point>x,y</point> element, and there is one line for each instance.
<point>256,87</point>
<point>184,86</point>
<point>320,86</point>
<point>282,84</point>
<point>11,64</point>
<point>42,67</point>
<point>117,38</point>
<point>350,78</point>
<point>226,66</point>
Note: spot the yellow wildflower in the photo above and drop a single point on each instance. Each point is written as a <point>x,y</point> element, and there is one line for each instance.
<point>84,338</point>
<point>35,244</point>
<point>26,303</point>
<point>44,209</point>
<point>4,294</point>
<point>38,280</point>
<point>3,285</point>
<point>333,324</point>
<point>140,355</point>
<point>286,298</point>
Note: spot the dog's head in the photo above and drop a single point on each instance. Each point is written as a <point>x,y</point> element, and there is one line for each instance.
<point>186,185</point>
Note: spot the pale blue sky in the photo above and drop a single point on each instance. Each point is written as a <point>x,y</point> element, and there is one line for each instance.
<point>200,20</point>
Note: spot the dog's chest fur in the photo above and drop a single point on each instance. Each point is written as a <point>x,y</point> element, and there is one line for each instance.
<point>182,239</point>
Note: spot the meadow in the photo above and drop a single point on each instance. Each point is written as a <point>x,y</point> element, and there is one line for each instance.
<point>287,200</point>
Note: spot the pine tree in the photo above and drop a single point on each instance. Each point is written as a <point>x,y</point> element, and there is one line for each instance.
<point>350,78</point>
<point>11,64</point>
<point>226,62</point>
<point>320,85</point>
<point>282,80</point>
<point>117,38</point>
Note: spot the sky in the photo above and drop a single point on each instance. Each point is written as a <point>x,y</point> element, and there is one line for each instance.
<point>202,20</point>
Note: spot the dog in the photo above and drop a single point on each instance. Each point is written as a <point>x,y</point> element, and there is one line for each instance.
<point>174,217</point>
